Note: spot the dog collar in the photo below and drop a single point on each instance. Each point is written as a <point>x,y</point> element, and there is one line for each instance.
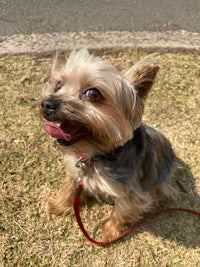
<point>84,162</point>
<point>97,157</point>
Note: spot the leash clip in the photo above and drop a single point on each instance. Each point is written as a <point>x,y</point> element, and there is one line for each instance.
<point>83,165</point>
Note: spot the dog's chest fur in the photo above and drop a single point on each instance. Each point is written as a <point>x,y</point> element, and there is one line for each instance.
<point>142,163</point>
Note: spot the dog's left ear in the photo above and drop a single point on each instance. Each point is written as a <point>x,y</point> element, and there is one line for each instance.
<point>142,76</point>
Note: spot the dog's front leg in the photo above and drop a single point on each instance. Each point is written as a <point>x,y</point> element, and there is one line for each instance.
<point>125,212</point>
<point>62,202</point>
<point>112,227</point>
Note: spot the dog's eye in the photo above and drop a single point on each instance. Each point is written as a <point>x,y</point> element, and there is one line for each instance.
<point>58,86</point>
<point>93,95</point>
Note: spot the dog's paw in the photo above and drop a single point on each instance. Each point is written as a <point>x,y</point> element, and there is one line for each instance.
<point>111,229</point>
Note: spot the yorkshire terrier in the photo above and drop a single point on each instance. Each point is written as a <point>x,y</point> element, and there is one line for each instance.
<point>98,122</point>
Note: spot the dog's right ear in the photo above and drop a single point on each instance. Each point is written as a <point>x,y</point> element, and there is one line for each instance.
<point>142,76</point>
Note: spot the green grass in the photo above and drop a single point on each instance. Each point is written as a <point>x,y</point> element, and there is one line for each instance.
<point>32,168</point>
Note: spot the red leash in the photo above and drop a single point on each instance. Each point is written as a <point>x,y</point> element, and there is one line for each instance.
<point>78,218</point>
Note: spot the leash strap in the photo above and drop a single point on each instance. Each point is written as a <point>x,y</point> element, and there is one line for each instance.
<point>85,233</point>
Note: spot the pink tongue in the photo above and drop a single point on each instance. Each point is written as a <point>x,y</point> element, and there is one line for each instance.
<point>56,132</point>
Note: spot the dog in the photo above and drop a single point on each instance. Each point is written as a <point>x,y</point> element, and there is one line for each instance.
<point>95,114</point>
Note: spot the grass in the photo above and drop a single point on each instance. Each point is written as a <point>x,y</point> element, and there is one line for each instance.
<point>32,168</point>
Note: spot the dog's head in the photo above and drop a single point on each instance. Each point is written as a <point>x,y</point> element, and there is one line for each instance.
<point>92,105</point>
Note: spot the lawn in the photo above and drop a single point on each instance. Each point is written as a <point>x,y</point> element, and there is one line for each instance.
<point>32,169</point>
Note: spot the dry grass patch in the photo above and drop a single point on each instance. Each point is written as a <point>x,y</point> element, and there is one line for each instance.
<point>31,168</point>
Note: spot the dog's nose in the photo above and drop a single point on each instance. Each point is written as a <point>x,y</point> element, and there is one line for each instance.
<point>49,105</point>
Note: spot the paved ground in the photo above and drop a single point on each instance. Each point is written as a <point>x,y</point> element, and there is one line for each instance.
<point>35,26</point>
<point>47,16</point>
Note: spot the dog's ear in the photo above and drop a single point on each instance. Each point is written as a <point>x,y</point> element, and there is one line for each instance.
<point>142,76</point>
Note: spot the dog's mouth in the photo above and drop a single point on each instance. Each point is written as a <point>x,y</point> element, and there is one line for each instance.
<point>67,133</point>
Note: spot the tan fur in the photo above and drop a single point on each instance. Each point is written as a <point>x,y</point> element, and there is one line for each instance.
<point>114,123</point>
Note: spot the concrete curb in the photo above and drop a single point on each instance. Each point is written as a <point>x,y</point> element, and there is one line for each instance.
<point>41,44</point>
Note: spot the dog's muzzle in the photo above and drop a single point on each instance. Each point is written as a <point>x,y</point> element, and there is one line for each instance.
<point>48,108</point>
